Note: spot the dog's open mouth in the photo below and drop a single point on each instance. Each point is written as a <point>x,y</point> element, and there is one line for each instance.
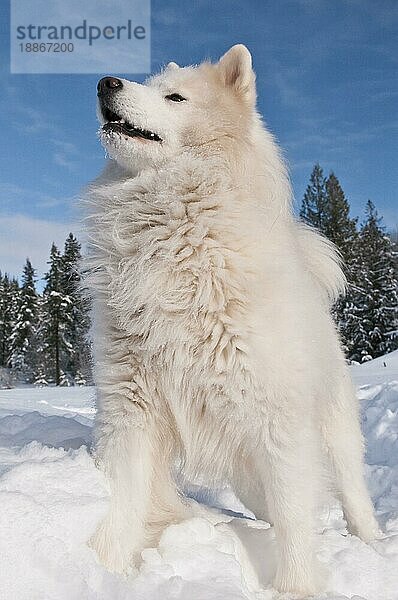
<point>119,125</point>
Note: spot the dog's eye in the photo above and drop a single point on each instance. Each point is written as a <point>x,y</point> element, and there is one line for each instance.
<point>175,98</point>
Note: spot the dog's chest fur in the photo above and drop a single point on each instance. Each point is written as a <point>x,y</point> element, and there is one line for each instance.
<point>176,266</point>
<point>181,259</point>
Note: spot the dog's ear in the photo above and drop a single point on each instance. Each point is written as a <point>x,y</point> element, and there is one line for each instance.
<point>172,66</point>
<point>236,70</point>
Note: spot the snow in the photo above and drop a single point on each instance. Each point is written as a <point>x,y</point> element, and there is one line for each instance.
<point>52,498</point>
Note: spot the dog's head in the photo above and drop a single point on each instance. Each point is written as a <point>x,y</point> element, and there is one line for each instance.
<point>198,109</point>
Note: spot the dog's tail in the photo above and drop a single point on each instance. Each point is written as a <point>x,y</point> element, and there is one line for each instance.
<point>324,262</point>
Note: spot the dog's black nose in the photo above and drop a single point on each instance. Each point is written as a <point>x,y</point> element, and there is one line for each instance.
<point>107,85</point>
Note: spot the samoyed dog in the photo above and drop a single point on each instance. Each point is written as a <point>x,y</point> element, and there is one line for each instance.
<point>215,350</point>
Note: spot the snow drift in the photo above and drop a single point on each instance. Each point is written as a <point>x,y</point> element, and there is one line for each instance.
<point>52,497</point>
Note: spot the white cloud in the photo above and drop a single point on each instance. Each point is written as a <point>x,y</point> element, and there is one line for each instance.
<point>31,120</point>
<point>61,160</point>
<point>22,236</point>
<point>66,154</point>
<point>13,196</point>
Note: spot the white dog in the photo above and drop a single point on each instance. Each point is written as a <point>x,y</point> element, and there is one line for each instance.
<point>214,344</point>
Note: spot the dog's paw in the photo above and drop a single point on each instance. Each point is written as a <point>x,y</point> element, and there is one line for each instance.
<point>114,549</point>
<point>367,529</point>
<point>295,582</point>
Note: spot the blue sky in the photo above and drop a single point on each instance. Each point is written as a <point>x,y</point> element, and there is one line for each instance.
<point>327,87</point>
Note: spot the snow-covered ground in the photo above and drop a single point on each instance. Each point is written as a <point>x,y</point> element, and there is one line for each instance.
<point>52,497</point>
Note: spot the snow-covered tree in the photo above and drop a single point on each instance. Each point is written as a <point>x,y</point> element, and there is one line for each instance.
<point>64,379</point>
<point>80,380</point>
<point>367,315</point>
<point>40,378</point>
<point>56,305</point>
<point>9,292</point>
<point>38,356</point>
<point>25,325</point>
<point>338,226</point>
<point>44,336</point>
<point>77,322</point>
<point>326,208</point>
<point>378,289</point>
<point>314,202</point>
<point>393,235</point>
<point>2,320</point>
<point>341,229</point>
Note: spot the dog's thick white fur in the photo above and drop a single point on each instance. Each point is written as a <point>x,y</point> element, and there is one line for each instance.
<point>214,344</point>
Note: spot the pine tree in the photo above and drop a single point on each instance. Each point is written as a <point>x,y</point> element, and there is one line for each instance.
<point>314,202</point>
<point>393,235</point>
<point>40,378</point>
<point>38,356</point>
<point>56,305</point>
<point>338,226</point>
<point>45,336</point>
<point>64,380</point>
<point>2,319</point>
<point>24,329</point>
<point>9,292</point>
<point>80,380</point>
<point>378,289</point>
<point>326,208</point>
<point>78,321</point>
<point>341,229</point>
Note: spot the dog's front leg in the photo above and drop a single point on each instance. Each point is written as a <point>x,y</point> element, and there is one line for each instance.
<point>124,453</point>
